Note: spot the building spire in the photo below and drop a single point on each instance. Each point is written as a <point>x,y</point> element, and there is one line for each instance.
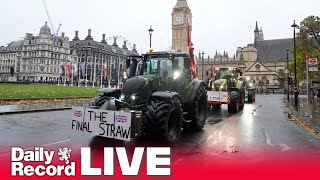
<point>181,4</point>
<point>257,29</point>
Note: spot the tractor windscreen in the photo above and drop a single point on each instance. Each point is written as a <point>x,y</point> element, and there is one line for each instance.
<point>158,66</point>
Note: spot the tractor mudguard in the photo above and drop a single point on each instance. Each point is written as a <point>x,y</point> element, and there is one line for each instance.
<point>165,96</point>
<point>193,90</point>
<point>111,92</point>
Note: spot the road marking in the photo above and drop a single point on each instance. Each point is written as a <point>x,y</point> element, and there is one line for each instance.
<point>44,145</point>
<point>266,135</point>
<point>285,147</point>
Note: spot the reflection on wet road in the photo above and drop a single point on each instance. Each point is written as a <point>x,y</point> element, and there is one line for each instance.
<point>260,128</point>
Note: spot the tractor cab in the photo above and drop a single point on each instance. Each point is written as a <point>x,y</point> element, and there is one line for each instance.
<point>171,69</point>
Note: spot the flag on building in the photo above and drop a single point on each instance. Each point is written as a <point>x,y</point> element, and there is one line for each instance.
<point>74,68</point>
<point>82,69</point>
<point>89,69</point>
<point>62,70</point>
<point>97,69</point>
<point>114,69</point>
<point>68,67</point>
<point>105,70</point>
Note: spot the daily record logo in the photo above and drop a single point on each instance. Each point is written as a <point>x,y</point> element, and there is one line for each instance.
<point>157,162</point>
<point>44,158</point>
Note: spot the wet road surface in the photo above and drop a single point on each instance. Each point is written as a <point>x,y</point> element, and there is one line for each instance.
<point>259,129</point>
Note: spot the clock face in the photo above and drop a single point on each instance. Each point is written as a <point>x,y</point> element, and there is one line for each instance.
<point>179,18</point>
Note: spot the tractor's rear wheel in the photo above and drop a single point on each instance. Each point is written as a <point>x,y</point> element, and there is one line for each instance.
<point>198,113</point>
<point>164,119</point>
<point>234,105</point>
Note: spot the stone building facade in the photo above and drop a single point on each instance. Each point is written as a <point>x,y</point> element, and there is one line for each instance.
<point>266,60</point>
<point>208,68</point>
<point>46,58</point>
<point>100,62</point>
<point>41,56</point>
<point>10,58</point>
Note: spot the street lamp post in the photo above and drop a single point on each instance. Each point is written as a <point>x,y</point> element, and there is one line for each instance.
<point>202,65</point>
<point>296,92</point>
<point>150,33</point>
<point>288,76</point>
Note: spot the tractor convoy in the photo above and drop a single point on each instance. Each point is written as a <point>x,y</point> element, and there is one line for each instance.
<point>231,89</point>
<point>164,96</point>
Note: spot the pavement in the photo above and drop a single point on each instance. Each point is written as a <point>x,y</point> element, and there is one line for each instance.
<point>261,128</point>
<point>310,112</point>
<point>21,106</point>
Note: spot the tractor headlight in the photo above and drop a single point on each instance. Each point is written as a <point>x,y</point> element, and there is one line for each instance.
<point>176,75</point>
<point>221,87</point>
<point>121,97</point>
<point>133,97</point>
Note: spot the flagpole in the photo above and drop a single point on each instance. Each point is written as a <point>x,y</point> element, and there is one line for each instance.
<point>79,68</point>
<point>118,84</point>
<point>59,75</point>
<point>101,70</point>
<point>72,73</point>
<point>95,70</point>
<point>110,76</point>
<point>86,70</point>
<point>64,82</point>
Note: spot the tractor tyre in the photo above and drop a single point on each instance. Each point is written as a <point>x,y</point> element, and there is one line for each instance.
<point>250,98</point>
<point>198,113</point>
<point>242,100</point>
<point>216,106</point>
<point>234,105</point>
<point>164,119</point>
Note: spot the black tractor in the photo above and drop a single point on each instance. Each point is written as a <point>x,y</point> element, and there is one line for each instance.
<point>161,94</point>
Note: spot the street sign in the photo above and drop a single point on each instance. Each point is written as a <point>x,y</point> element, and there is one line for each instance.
<point>306,56</point>
<point>313,64</point>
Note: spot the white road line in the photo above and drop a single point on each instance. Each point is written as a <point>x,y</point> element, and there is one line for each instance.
<point>267,137</point>
<point>44,145</point>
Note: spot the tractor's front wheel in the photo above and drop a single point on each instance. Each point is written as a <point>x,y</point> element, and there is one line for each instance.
<point>198,112</point>
<point>164,119</point>
<point>234,105</point>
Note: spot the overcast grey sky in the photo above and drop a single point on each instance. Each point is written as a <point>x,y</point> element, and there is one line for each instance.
<point>217,25</point>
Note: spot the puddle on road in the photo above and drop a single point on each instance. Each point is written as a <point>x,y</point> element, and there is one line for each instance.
<point>8,108</point>
<point>213,121</point>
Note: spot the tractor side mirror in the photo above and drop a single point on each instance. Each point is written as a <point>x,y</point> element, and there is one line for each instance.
<point>128,63</point>
<point>187,63</point>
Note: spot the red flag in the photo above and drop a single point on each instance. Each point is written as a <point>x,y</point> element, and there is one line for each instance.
<point>105,70</point>
<point>69,69</point>
<point>191,49</point>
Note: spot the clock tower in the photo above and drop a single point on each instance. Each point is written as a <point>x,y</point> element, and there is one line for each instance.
<point>181,19</point>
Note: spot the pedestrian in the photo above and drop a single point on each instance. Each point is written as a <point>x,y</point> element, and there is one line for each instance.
<point>273,91</point>
<point>267,92</point>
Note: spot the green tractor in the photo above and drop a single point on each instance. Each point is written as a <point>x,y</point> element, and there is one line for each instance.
<point>250,90</point>
<point>161,94</point>
<point>227,90</point>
